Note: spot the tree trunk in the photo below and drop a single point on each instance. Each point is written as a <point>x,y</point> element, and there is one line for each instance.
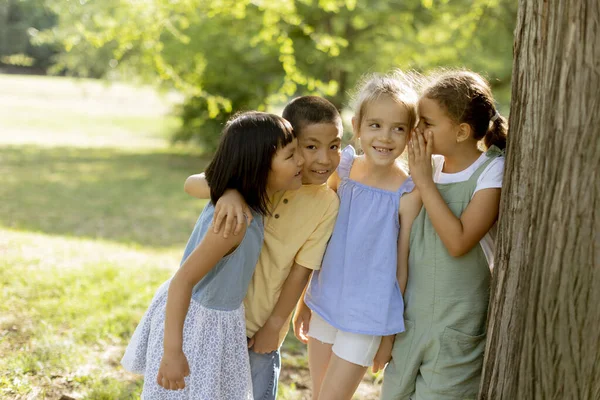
<point>544,323</point>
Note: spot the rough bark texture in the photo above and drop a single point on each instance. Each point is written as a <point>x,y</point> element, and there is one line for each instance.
<point>544,324</point>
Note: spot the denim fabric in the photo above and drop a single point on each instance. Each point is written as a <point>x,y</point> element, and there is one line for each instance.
<point>265,370</point>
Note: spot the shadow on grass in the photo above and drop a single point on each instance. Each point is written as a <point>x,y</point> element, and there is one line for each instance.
<point>128,197</point>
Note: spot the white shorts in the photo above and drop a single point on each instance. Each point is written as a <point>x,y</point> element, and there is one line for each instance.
<point>353,347</point>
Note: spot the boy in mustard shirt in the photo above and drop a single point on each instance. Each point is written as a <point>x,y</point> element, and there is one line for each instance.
<point>296,234</point>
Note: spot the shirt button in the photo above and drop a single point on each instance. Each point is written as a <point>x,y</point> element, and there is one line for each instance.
<point>276,216</point>
<point>285,201</point>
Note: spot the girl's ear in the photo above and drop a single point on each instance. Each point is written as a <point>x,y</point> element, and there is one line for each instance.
<point>463,132</point>
<point>355,127</point>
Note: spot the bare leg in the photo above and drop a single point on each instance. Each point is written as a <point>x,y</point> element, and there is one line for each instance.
<point>341,379</point>
<point>319,354</point>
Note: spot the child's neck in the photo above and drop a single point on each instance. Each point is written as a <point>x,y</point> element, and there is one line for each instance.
<point>461,160</point>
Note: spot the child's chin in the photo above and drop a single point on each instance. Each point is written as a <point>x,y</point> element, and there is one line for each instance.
<point>315,181</point>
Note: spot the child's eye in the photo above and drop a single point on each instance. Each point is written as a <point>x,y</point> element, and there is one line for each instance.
<point>335,147</point>
<point>399,129</point>
<point>375,125</point>
<point>311,147</point>
<point>290,156</point>
<point>427,123</point>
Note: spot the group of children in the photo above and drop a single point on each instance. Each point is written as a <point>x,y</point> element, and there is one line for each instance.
<point>381,267</point>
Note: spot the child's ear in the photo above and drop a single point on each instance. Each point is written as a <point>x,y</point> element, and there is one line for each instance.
<point>355,127</point>
<point>463,132</point>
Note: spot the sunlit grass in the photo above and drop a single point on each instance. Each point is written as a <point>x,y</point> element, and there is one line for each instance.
<point>68,307</point>
<point>130,197</point>
<point>93,219</point>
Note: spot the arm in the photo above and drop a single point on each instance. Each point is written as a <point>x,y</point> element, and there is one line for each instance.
<point>197,186</point>
<point>459,235</point>
<point>266,339</point>
<point>174,365</point>
<point>384,353</point>
<point>301,320</point>
<point>231,206</point>
<point>410,206</point>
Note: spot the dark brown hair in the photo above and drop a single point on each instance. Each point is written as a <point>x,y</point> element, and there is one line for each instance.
<point>310,110</point>
<point>467,98</point>
<point>243,159</point>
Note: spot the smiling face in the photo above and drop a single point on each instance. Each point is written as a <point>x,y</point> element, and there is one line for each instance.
<point>432,117</point>
<point>286,169</point>
<point>383,131</point>
<point>320,146</point>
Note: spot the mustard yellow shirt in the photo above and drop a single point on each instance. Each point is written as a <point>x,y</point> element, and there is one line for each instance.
<point>297,231</point>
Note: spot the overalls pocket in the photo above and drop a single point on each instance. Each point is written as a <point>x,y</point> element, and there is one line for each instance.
<point>458,366</point>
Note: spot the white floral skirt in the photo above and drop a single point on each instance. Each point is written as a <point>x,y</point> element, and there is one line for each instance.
<point>214,343</point>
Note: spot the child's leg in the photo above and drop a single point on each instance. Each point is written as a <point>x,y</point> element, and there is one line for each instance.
<point>352,354</point>
<point>321,336</point>
<point>319,354</point>
<point>341,379</point>
<point>265,370</point>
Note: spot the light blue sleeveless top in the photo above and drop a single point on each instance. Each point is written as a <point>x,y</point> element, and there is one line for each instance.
<point>356,289</point>
<point>224,286</point>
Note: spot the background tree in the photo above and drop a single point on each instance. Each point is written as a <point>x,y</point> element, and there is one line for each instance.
<point>20,22</point>
<point>544,326</point>
<point>230,55</point>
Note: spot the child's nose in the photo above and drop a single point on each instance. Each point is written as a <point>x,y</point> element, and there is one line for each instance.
<point>323,157</point>
<point>386,134</point>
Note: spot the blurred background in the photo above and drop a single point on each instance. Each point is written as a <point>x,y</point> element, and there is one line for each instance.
<point>107,106</point>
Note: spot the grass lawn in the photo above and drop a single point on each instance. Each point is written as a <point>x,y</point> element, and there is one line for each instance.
<point>93,219</point>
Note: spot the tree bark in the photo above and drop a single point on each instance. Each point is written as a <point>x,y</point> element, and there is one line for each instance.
<point>544,323</point>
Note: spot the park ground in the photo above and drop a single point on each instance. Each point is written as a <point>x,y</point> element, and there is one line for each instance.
<point>93,219</point>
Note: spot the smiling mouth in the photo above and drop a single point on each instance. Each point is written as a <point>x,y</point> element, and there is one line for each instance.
<point>382,150</point>
<point>298,173</point>
<point>320,172</point>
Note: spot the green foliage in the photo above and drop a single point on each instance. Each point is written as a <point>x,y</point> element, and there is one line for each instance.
<point>231,55</point>
<point>20,23</point>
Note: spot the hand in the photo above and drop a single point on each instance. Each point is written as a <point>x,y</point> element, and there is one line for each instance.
<point>384,353</point>
<point>233,207</point>
<point>173,368</point>
<point>419,158</point>
<point>301,322</point>
<point>266,339</point>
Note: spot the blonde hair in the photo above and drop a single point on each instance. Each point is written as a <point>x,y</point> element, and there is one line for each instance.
<point>400,86</point>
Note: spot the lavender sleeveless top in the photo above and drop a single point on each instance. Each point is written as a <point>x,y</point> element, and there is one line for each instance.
<point>356,289</point>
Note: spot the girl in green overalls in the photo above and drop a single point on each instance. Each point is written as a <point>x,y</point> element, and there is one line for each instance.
<point>440,355</point>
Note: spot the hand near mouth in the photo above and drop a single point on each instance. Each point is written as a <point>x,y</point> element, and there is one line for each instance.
<point>419,158</point>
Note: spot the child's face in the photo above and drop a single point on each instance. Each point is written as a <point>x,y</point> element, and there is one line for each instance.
<point>383,131</point>
<point>433,118</point>
<point>286,168</point>
<point>320,146</point>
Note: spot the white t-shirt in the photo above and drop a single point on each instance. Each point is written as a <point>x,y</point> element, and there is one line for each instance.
<point>491,177</point>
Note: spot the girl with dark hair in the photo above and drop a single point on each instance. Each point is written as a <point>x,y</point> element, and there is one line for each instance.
<point>191,343</point>
<point>440,354</point>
